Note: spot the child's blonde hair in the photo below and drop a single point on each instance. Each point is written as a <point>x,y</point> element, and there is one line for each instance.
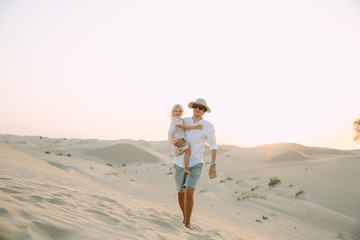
<point>175,107</point>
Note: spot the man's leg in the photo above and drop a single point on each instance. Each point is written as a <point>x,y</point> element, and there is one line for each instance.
<point>181,200</point>
<point>189,205</point>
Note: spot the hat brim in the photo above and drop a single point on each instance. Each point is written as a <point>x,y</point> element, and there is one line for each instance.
<point>191,104</point>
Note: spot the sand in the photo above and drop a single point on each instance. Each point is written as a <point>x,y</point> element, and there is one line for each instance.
<point>125,189</point>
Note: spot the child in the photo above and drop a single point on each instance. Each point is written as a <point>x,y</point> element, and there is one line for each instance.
<point>177,136</point>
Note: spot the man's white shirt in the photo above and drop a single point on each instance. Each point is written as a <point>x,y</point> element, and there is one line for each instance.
<point>197,139</point>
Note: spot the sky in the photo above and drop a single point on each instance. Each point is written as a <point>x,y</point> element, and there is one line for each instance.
<point>271,71</point>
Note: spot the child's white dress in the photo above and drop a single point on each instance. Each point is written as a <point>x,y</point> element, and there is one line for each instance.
<point>175,134</point>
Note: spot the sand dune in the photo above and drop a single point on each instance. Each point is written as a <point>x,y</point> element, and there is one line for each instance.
<point>91,189</point>
<point>289,155</point>
<point>124,153</point>
<point>304,150</point>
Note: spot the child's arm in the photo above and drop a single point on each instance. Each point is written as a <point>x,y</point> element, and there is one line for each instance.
<point>191,127</point>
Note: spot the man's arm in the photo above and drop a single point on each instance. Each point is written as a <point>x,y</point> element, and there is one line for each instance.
<point>214,152</point>
<point>212,170</point>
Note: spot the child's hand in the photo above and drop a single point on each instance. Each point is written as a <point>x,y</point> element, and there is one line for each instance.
<point>199,127</point>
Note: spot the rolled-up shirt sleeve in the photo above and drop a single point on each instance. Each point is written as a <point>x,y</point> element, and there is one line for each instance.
<point>211,139</point>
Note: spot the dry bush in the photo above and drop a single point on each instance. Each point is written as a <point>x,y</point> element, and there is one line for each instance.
<point>274,181</point>
<point>357,130</point>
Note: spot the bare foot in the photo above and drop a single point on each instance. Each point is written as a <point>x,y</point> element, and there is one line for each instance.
<point>189,226</point>
<point>187,170</point>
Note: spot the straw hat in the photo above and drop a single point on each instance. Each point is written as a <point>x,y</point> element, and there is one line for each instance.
<point>202,102</point>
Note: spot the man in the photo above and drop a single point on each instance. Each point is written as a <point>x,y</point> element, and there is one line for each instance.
<point>186,183</point>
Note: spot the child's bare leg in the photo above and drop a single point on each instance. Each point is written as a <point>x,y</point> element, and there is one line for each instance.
<point>179,143</point>
<point>186,161</point>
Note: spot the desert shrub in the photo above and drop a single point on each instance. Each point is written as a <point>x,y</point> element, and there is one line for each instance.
<point>225,180</point>
<point>356,124</point>
<point>299,192</point>
<point>274,181</point>
<point>63,154</point>
<point>115,173</point>
<point>248,195</point>
<point>170,171</point>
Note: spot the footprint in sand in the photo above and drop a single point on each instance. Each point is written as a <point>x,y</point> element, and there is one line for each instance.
<point>3,212</point>
<point>56,201</point>
<point>36,198</point>
<point>26,215</point>
<point>160,223</point>
<point>162,219</point>
<point>20,198</point>
<point>105,199</point>
<point>43,230</point>
<point>62,195</point>
<point>9,231</point>
<point>103,217</point>
<point>5,179</point>
<point>6,190</point>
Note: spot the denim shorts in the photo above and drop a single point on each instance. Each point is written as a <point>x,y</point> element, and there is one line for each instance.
<point>185,180</point>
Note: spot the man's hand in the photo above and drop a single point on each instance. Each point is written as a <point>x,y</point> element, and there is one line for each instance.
<point>212,169</point>
<point>212,172</point>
